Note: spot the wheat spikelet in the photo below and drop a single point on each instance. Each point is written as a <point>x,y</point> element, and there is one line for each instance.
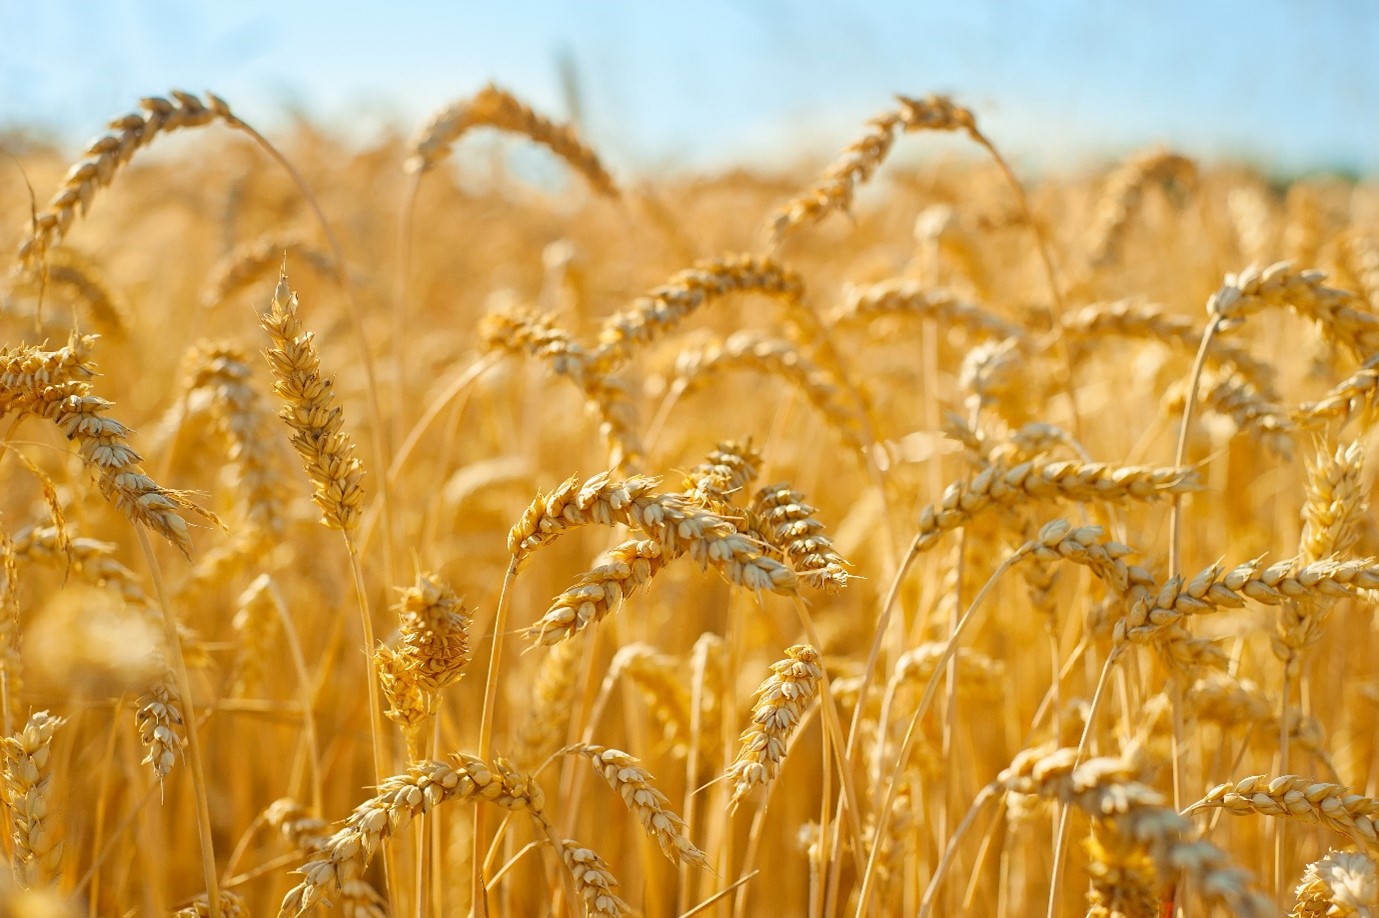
<point>1085,329</point>
<point>670,519</point>
<point>497,108</point>
<point>399,800</point>
<point>1215,588</point>
<point>625,774</point>
<point>252,261</point>
<point>1120,199</point>
<point>910,298</point>
<point>780,706</point>
<point>28,788</point>
<point>835,189</point>
<point>593,881</point>
<point>107,154</point>
<point>790,526</point>
<point>302,830</point>
<point>1106,789</point>
<point>997,487</point>
<point>326,452</point>
<point>656,314</point>
<point>1333,806</point>
<point>774,357</point>
<point>1338,885</point>
<point>159,721</point>
<point>1278,285</point>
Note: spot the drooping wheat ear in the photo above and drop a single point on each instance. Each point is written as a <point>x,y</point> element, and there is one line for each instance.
<point>1336,501</point>
<point>625,774</point>
<point>782,701</point>
<point>28,789</point>
<point>400,799</point>
<point>790,527</point>
<point>88,560</point>
<point>547,721</point>
<point>1278,285</point>
<point>774,357</point>
<point>26,369</point>
<point>1333,806</point>
<point>1341,884</point>
<point>222,373</point>
<point>665,307</point>
<point>68,270</point>
<point>1087,328</point>
<point>159,720</point>
<point>1230,395</point>
<point>1107,790</point>
<point>902,297</point>
<point>600,500</point>
<point>1032,442</point>
<point>256,621</point>
<point>232,905</point>
<point>1351,397</point>
<point>718,482</point>
<point>107,154</point>
<point>597,592</point>
<point>1121,196</point>
<point>594,882</point>
<point>1216,588</point>
<point>670,519</point>
<point>308,397</point>
<point>302,830</point>
<point>103,444</point>
<point>435,632</point>
<point>252,261</point>
<point>1124,878</point>
<point>835,189</point>
<point>516,329</point>
<point>996,373</point>
<point>1234,703</point>
<point>497,108</point>
<point>998,487</point>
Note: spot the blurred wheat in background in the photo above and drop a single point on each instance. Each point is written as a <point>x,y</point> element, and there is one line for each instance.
<point>386,535</point>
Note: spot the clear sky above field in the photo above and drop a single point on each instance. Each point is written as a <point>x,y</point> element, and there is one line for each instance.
<point>1292,85</point>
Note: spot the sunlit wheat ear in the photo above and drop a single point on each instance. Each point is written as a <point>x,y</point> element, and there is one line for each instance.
<point>835,189</point>
<point>1086,331</point>
<point>1281,285</point>
<point>51,385</point>
<point>1333,806</point>
<point>497,108</point>
<point>108,154</point>
<point>782,701</point>
<point>664,308</point>
<point>309,409</point>
<point>399,800</point>
<point>1338,885</point>
<point>1106,789</point>
<point>1352,397</point>
<point>1230,395</point>
<point>594,882</point>
<point>255,260</point>
<point>625,774</point>
<point>1063,481</point>
<point>791,527</point>
<point>1124,878</point>
<point>779,358</point>
<point>863,305</point>
<point>28,791</point>
<point>302,830</point>
<point>1122,194</point>
<point>718,482</point>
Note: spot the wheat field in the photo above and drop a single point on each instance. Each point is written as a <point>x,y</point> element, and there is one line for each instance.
<point>389,531</point>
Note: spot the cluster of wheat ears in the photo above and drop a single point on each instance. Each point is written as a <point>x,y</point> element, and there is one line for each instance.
<point>1011,581</point>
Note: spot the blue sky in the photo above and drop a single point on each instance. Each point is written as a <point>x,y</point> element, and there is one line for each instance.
<point>1290,84</point>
